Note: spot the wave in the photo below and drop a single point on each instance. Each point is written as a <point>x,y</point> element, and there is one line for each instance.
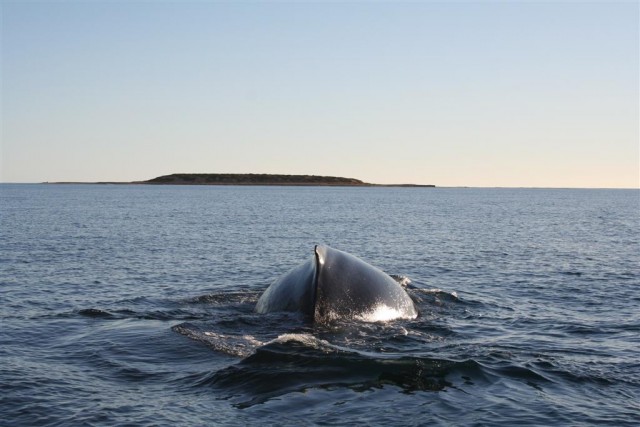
<point>277,354</point>
<point>201,307</point>
<point>225,298</point>
<point>172,314</point>
<point>237,345</point>
<point>297,362</point>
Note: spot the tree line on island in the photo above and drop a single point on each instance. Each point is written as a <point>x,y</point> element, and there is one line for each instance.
<point>262,179</point>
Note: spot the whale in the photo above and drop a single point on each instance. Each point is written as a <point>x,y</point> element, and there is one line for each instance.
<point>335,285</point>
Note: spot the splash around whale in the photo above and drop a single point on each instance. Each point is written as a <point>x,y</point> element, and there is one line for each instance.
<point>334,285</point>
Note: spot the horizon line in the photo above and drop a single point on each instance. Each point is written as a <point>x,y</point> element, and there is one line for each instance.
<point>373,185</point>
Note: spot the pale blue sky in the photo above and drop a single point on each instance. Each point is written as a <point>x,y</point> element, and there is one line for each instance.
<point>454,94</point>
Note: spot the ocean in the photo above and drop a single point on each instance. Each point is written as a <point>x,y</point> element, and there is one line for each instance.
<point>134,305</point>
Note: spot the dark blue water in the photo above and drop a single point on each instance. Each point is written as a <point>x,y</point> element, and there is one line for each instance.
<point>133,305</point>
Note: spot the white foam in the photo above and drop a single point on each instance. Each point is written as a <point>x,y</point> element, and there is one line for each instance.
<point>437,291</point>
<point>403,281</point>
<point>384,313</point>
<point>306,339</point>
<point>234,345</point>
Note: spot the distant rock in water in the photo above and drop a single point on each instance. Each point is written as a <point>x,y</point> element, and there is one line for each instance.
<point>252,179</point>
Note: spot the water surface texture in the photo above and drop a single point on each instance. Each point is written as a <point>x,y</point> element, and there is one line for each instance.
<point>133,305</point>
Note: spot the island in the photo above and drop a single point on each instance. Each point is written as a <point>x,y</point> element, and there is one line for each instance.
<point>251,179</point>
<point>248,179</point>
<point>263,179</point>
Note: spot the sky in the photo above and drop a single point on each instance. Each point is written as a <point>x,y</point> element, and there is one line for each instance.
<point>480,94</point>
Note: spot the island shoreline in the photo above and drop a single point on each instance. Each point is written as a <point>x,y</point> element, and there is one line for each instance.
<point>253,180</point>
